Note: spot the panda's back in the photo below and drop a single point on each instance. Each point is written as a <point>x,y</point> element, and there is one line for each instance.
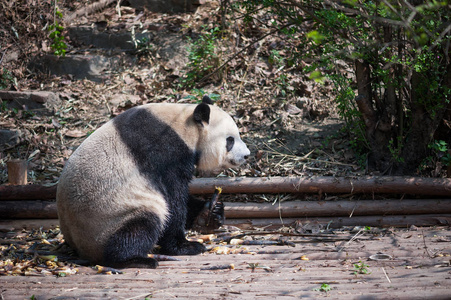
<point>134,148</point>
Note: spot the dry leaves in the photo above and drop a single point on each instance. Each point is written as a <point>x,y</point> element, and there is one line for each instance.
<point>76,133</point>
<point>34,254</point>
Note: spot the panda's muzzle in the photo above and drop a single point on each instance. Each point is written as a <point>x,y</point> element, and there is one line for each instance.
<point>235,163</point>
<point>239,154</point>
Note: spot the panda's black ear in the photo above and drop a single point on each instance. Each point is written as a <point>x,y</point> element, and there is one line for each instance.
<point>202,113</point>
<point>207,100</point>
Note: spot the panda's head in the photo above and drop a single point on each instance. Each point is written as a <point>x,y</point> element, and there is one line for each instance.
<point>220,145</point>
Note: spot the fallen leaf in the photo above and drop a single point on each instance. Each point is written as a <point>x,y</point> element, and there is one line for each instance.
<point>75,133</point>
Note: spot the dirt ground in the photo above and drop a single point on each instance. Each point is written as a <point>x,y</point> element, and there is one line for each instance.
<point>291,127</point>
<point>341,264</point>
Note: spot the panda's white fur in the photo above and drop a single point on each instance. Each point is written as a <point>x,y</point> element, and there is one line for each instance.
<point>125,188</point>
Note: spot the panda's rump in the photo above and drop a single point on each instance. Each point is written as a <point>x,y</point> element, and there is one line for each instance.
<point>90,219</point>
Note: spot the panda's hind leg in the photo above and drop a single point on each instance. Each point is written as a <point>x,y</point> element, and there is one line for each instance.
<point>174,242</point>
<point>129,246</point>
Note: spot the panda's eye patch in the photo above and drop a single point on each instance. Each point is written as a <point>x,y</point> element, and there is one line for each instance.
<point>230,142</point>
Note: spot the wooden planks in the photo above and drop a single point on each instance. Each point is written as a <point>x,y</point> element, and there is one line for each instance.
<point>419,268</point>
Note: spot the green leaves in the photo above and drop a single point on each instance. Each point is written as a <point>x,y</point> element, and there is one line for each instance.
<point>323,288</point>
<point>202,57</point>
<point>315,36</point>
<point>56,35</point>
<point>6,79</point>
<point>441,150</point>
<point>361,268</point>
<point>317,76</point>
<point>199,93</point>
<point>405,49</point>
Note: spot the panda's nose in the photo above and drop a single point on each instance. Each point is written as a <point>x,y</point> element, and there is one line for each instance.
<point>246,153</point>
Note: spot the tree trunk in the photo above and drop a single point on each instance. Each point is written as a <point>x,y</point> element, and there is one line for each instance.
<point>443,132</point>
<point>377,127</point>
<point>423,127</point>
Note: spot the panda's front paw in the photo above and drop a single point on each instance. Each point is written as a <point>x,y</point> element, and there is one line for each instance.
<point>217,217</point>
<point>209,219</point>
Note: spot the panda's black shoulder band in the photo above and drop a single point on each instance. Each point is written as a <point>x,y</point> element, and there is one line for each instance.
<point>202,113</point>
<point>207,100</point>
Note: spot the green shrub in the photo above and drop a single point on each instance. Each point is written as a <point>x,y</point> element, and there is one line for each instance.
<point>202,58</point>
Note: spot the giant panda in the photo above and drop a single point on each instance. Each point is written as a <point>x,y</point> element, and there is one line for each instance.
<point>125,188</point>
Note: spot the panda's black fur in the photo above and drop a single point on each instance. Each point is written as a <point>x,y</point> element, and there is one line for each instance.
<point>121,234</point>
<point>170,169</point>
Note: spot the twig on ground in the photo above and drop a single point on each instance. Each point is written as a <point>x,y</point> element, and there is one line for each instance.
<point>350,241</point>
<point>386,276</point>
<point>425,246</point>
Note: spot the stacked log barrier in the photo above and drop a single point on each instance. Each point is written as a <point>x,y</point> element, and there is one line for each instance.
<point>401,210</point>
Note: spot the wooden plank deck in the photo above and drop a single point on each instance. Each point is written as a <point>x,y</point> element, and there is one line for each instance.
<point>419,268</point>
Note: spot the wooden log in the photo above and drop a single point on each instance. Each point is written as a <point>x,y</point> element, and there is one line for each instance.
<point>335,185</point>
<point>332,185</point>
<point>33,209</point>
<point>27,192</point>
<point>270,224</point>
<point>337,222</point>
<point>299,209</point>
<point>17,171</point>
<point>38,209</point>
